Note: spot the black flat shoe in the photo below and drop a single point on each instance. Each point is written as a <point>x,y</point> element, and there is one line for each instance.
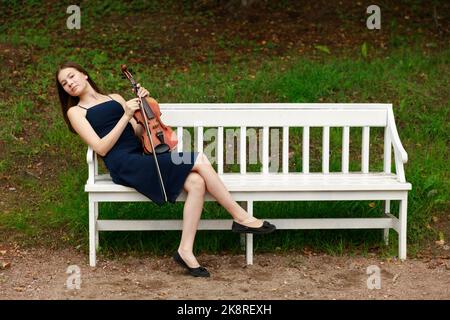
<point>196,272</point>
<point>264,229</point>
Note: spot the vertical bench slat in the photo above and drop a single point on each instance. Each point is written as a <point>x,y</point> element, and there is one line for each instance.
<point>285,149</point>
<point>365,150</point>
<point>243,151</point>
<point>305,149</point>
<point>326,150</point>
<point>199,131</point>
<point>180,139</point>
<point>265,156</point>
<point>345,148</point>
<point>220,150</point>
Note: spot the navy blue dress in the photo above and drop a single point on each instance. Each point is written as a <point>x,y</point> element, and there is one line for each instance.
<point>128,165</point>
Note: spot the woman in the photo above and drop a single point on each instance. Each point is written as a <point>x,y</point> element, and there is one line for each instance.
<point>106,123</point>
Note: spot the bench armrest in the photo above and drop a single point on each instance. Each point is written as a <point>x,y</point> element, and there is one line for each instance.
<point>398,147</point>
<point>90,158</point>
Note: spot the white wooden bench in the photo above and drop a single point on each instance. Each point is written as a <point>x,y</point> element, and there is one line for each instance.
<point>248,187</point>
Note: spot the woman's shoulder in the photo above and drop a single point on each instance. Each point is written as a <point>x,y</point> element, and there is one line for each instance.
<point>117,97</point>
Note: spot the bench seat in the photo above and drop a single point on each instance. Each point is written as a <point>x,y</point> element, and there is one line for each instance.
<point>257,182</point>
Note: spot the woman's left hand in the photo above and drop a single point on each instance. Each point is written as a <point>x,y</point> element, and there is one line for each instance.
<point>142,92</point>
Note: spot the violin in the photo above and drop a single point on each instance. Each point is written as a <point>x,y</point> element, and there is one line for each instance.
<point>157,137</point>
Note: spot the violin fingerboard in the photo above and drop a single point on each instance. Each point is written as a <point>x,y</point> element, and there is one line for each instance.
<point>148,110</point>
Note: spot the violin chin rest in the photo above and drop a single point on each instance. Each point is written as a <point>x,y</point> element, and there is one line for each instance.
<point>162,148</point>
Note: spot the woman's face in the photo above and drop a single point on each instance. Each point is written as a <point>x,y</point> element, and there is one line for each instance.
<point>73,81</point>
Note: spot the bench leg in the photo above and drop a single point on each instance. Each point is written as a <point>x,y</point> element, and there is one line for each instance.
<point>249,238</point>
<point>97,239</point>
<point>387,209</point>
<point>402,228</point>
<point>246,238</point>
<point>92,233</point>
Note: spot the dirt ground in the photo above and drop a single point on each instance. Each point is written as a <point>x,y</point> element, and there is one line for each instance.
<point>41,274</point>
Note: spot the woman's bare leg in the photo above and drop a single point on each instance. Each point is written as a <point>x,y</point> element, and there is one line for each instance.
<point>217,189</point>
<point>193,206</point>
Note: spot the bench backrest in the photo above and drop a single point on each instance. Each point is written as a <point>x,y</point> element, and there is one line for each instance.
<point>203,117</point>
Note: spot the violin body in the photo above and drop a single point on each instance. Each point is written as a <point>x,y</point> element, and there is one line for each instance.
<point>163,137</point>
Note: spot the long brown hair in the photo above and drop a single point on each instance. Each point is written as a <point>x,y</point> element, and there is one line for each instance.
<point>67,101</point>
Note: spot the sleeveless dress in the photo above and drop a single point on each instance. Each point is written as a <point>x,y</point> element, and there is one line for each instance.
<point>128,165</point>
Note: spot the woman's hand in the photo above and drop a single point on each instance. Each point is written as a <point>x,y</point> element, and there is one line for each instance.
<point>142,92</point>
<point>131,106</point>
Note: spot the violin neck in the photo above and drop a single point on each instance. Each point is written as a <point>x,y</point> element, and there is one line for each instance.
<point>147,109</point>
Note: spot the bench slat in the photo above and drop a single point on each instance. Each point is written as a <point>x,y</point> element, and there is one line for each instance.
<point>292,182</point>
<point>215,224</point>
<point>276,118</point>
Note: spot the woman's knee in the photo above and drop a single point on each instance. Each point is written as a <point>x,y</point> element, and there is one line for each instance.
<point>201,159</point>
<point>195,182</point>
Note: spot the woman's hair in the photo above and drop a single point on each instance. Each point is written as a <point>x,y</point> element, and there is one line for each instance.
<point>67,101</point>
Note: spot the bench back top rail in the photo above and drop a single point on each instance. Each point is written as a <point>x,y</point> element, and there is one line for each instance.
<point>285,115</point>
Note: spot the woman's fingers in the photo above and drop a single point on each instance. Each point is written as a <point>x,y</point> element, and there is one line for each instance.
<point>142,92</point>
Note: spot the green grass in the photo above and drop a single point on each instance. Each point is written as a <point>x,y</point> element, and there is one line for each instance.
<point>415,82</point>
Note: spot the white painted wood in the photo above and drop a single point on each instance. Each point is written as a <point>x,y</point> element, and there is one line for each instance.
<point>265,155</point>
<point>387,210</point>
<point>395,221</point>
<point>133,196</point>
<point>243,151</point>
<point>220,150</point>
<point>199,131</point>
<point>249,237</point>
<point>365,150</point>
<point>91,167</point>
<point>282,224</point>
<point>97,239</point>
<point>387,169</point>
<point>277,106</point>
<point>399,168</point>
<point>403,226</point>
<point>253,181</point>
<point>326,150</point>
<point>398,147</point>
<point>275,118</point>
<point>180,139</point>
<point>305,152</point>
<point>285,186</point>
<point>345,148</point>
<point>285,152</point>
<point>242,236</point>
<point>387,151</point>
<point>92,234</point>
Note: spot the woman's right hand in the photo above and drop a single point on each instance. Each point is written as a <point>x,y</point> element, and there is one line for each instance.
<point>131,106</point>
